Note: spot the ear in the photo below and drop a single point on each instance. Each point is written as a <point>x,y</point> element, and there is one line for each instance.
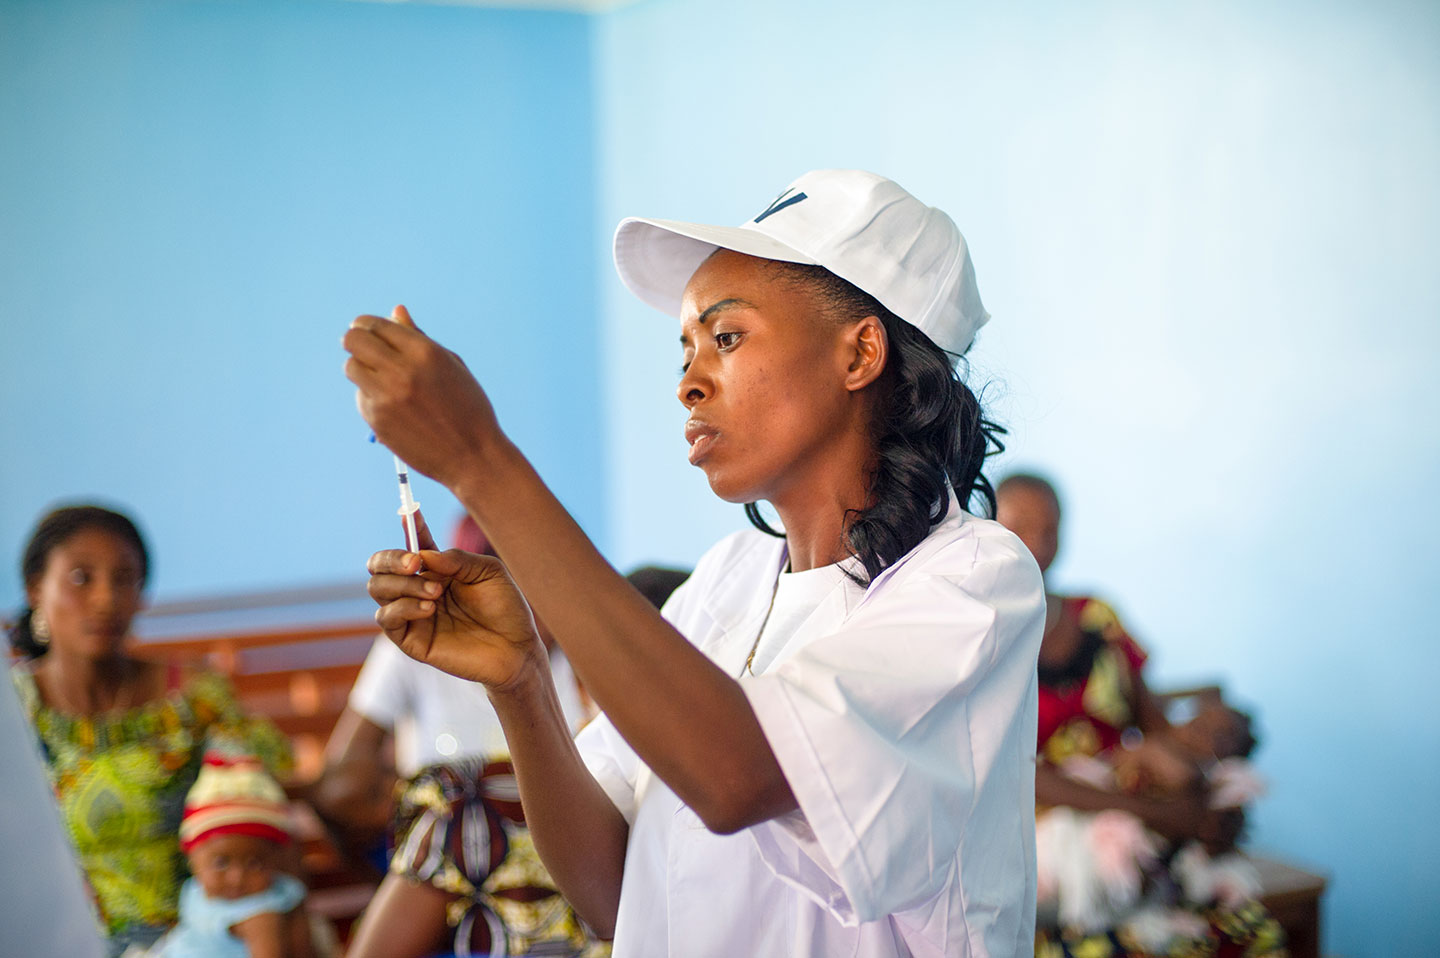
<point>869,349</point>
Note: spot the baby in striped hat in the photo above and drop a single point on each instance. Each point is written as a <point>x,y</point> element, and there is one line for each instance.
<point>238,903</point>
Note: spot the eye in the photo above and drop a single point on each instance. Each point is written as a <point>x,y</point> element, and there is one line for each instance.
<point>79,576</point>
<point>724,341</point>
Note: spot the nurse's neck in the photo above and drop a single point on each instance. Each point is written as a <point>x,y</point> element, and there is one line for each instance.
<point>829,488</point>
<point>814,537</point>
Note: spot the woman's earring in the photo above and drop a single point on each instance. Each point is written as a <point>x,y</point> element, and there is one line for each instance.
<point>39,628</point>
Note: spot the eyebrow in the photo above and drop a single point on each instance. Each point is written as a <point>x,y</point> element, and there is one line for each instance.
<point>710,312</point>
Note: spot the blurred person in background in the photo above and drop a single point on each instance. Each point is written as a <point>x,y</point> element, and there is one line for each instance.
<point>122,737</point>
<point>1095,705</point>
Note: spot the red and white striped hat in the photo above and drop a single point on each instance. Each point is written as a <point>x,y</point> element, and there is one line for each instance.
<point>234,795</point>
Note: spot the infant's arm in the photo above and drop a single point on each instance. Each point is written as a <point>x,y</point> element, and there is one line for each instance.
<point>273,935</point>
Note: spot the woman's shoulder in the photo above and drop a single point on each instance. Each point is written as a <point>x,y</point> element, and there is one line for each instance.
<point>962,547</point>
<point>22,678</point>
<point>1097,617</point>
<point>1093,614</point>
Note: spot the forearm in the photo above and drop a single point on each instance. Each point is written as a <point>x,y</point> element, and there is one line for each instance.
<point>688,720</point>
<point>354,789</point>
<point>1054,788</point>
<point>578,832</point>
<point>1173,819</point>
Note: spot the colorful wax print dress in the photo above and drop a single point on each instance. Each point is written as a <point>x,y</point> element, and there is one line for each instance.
<point>121,780</point>
<point>460,828</point>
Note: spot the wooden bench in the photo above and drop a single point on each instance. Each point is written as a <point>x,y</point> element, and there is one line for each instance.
<point>1292,896</point>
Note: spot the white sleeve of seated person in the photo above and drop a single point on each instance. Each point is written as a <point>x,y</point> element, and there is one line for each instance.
<point>906,738</point>
<point>382,690</point>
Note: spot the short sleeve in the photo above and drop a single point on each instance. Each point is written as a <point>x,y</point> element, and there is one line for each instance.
<point>212,701</point>
<point>216,916</point>
<point>381,692</point>
<point>613,763</point>
<point>890,730</point>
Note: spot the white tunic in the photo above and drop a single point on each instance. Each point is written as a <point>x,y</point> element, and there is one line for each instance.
<point>904,718</point>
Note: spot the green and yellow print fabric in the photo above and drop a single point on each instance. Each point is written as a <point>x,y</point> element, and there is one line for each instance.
<point>121,780</point>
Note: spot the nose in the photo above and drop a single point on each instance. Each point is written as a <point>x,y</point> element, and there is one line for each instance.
<point>103,594</point>
<point>695,384</point>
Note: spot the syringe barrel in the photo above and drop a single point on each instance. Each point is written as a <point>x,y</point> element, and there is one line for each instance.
<point>407,496</point>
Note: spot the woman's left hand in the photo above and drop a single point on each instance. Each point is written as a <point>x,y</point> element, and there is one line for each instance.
<point>418,396</point>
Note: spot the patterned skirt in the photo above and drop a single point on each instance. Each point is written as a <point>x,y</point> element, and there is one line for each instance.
<point>459,827</point>
<point>1216,932</point>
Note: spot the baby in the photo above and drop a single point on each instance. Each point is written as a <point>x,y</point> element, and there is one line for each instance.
<point>1209,751</point>
<point>1093,865</point>
<point>238,904</point>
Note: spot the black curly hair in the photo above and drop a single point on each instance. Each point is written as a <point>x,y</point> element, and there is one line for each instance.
<point>931,434</point>
<point>54,529</point>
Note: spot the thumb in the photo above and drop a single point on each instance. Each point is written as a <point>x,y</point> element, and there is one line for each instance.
<point>401,315</point>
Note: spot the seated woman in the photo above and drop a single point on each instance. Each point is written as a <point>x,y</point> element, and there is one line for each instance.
<point>1093,701</point>
<point>122,738</point>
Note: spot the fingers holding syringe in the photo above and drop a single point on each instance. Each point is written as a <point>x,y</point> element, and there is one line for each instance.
<point>423,533</point>
<point>386,586</point>
<point>420,398</point>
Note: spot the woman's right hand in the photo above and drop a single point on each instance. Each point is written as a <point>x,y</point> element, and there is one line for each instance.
<point>456,611</point>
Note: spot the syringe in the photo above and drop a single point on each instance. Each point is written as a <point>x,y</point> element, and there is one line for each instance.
<point>408,506</point>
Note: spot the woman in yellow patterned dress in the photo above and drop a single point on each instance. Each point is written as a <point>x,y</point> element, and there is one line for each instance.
<point>122,738</point>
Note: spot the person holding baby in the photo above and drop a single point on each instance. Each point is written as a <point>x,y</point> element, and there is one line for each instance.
<point>1136,819</point>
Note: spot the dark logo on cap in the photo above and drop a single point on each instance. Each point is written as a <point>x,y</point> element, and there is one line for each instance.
<point>780,202</point>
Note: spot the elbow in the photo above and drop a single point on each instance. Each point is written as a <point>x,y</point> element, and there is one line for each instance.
<point>727,818</point>
<point>726,810</point>
<point>602,926</point>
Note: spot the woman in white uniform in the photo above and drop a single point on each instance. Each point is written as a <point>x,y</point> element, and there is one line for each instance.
<point>826,744</point>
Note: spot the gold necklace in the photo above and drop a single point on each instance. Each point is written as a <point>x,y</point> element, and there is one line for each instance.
<point>755,646</point>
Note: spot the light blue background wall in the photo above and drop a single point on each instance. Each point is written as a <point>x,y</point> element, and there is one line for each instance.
<point>196,200</point>
<point>1207,234</point>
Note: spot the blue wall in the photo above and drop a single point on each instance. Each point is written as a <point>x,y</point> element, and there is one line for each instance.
<point>1207,234</point>
<point>196,200</point>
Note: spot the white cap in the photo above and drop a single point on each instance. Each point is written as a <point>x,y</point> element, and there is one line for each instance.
<point>861,227</point>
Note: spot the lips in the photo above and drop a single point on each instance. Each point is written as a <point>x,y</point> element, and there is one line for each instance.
<point>108,628</point>
<point>701,436</point>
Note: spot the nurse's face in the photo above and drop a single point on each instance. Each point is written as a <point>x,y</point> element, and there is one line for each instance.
<point>764,379</point>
